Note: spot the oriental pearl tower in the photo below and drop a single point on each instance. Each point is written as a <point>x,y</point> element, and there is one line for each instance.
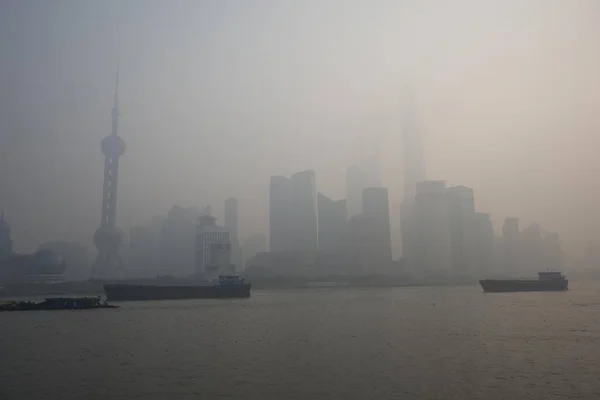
<point>108,237</point>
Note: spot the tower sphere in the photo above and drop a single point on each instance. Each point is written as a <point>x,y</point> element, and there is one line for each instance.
<point>113,146</point>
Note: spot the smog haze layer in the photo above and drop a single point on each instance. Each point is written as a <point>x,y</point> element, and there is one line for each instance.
<point>216,96</point>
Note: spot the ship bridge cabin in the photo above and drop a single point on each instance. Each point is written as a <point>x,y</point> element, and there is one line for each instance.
<point>550,276</point>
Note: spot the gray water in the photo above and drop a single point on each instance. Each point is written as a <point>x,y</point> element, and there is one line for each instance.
<point>404,343</point>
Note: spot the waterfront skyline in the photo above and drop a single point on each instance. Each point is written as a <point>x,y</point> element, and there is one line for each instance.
<point>194,108</point>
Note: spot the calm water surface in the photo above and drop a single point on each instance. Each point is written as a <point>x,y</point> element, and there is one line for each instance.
<point>396,343</point>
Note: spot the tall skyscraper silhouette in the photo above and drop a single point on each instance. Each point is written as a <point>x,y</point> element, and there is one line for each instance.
<point>304,221</point>
<point>433,253</point>
<point>362,175</point>
<point>376,215</point>
<point>414,172</point>
<point>232,226</point>
<point>108,238</point>
<point>279,214</point>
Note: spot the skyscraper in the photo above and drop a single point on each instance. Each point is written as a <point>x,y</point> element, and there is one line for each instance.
<point>461,210</point>
<point>279,214</point>
<point>177,241</point>
<point>433,252</point>
<point>511,246</point>
<point>108,237</point>
<point>213,248</point>
<point>333,219</point>
<point>354,187</point>
<point>304,222</point>
<point>360,176</point>
<point>231,226</point>
<point>531,251</point>
<point>481,246</point>
<point>414,172</point>
<point>376,214</point>
<point>231,216</point>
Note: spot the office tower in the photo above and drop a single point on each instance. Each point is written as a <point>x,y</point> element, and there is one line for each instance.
<point>253,245</point>
<point>376,214</point>
<point>279,214</point>
<point>481,246</point>
<point>461,210</point>
<point>414,172</point>
<point>5,238</point>
<point>304,224</point>
<point>177,241</point>
<point>432,242</point>
<point>108,237</point>
<point>531,255</point>
<point>360,176</point>
<point>511,246</point>
<point>213,248</point>
<point>354,187</point>
<point>358,249</point>
<point>231,216</point>
<point>232,226</point>
<point>332,224</point>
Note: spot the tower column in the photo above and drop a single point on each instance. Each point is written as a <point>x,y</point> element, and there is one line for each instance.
<point>108,237</point>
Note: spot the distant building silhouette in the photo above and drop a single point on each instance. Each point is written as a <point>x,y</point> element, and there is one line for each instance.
<point>280,192</point>
<point>43,266</point>
<point>358,245</point>
<point>108,237</point>
<point>359,177</point>
<point>304,221</point>
<point>511,246</point>
<point>213,248</point>
<point>461,210</point>
<point>333,219</point>
<point>481,246</point>
<point>531,251</point>
<point>75,256</point>
<point>376,218</point>
<point>5,238</point>
<point>177,241</point>
<point>232,226</point>
<point>414,172</point>
<point>253,245</point>
<point>433,246</point>
<point>293,213</point>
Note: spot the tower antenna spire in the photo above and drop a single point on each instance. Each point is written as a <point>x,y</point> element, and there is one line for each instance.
<point>115,111</point>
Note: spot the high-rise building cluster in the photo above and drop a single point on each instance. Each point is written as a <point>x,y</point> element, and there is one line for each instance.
<point>313,234</point>
<point>310,234</point>
<point>442,232</point>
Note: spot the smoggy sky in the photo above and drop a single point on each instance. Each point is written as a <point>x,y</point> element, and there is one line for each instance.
<point>216,96</point>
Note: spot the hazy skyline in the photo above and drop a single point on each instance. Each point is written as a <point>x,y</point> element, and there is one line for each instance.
<point>217,96</point>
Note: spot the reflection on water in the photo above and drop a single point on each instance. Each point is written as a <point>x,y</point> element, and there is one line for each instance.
<point>334,343</point>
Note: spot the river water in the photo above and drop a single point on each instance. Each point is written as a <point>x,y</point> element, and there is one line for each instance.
<point>342,343</point>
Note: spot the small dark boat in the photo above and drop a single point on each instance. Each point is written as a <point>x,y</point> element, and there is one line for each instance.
<point>57,303</point>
